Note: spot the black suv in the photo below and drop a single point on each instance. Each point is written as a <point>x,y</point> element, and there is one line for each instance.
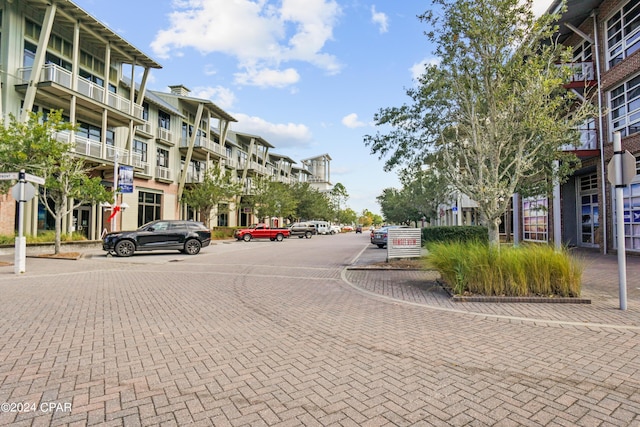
<point>186,236</point>
<point>302,229</point>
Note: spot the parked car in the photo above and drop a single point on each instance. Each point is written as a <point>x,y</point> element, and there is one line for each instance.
<point>359,229</point>
<point>186,236</point>
<point>335,229</point>
<point>347,228</point>
<point>379,236</point>
<point>322,227</point>
<point>302,229</point>
<point>261,231</point>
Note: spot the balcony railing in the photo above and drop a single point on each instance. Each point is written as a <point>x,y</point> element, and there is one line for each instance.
<point>163,173</point>
<point>581,72</point>
<point>91,148</point>
<point>164,135</point>
<point>145,127</point>
<point>62,77</point>
<point>588,141</point>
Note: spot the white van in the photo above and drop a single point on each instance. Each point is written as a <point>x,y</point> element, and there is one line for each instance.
<point>323,227</point>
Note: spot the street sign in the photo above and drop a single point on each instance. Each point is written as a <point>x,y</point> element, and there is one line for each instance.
<point>33,178</point>
<point>8,176</point>
<point>628,169</point>
<point>29,191</point>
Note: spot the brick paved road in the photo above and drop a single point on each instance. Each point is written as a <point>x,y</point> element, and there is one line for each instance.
<point>266,333</point>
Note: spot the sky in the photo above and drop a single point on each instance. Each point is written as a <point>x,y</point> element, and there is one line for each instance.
<point>305,75</point>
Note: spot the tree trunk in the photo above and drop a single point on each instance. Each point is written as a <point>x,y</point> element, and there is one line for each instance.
<point>494,232</point>
<point>57,240</point>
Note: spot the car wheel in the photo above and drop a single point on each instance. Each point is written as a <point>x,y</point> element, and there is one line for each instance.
<point>381,246</point>
<point>124,248</point>
<point>300,236</point>
<point>279,237</point>
<point>307,234</point>
<point>192,247</point>
<point>246,237</point>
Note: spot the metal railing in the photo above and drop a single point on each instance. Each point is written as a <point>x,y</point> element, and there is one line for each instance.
<point>58,75</point>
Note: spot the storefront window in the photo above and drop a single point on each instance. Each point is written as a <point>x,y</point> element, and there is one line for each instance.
<point>534,219</point>
<point>631,196</point>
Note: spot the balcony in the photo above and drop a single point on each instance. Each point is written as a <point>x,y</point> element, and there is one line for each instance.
<point>53,77</point>
<point>145,129</point>
<point>163,174</point>
<point>93,150</point>
<point>587,146</point>
<point>164,135</point>
<point>205,145</point>
<point>582,76</point>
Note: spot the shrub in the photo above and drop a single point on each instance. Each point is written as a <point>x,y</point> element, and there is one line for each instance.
<point>221,233</point>
<point>529,270</point>
<point>43,237</point>
<point>467,233</point>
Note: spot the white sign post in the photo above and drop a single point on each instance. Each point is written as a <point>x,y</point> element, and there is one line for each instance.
<point>621,171</point>
<point>22,192</point>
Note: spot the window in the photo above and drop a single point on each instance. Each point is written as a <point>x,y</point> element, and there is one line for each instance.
<point>631,215</point>
<point>623,33</point>
<point>145,111</point>
<point>164,120</point>
<point>140,148</point>
<point>624,104</point>
<point>534,216</point>
<point>149,207</point>
<point>163,158</point>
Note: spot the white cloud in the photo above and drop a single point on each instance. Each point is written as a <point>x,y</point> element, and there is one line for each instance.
<point>418,69</point>
<point>222,97</point>
<point>380,19</point>
<point>351,121</point>
<point>281,135</point>
<point>268,77</point>
<point>260,34</point>
<point>540,6</point>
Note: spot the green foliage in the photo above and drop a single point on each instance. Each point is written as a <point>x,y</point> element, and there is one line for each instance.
<point>33,146</point>
<point>43,237</point>
<point>217,186</point>
<point>220,233</point>
<point>466,233</point>
<point>312,204</point>
<point>272,199</point>
<point>492,113</point>
<point>531,270</point>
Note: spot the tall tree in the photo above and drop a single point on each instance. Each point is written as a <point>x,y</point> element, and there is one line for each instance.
<point>217,186</point>
<point>32,146</point>
<point>493,108</point>
<point>272,199</point>
<point>312,204</point>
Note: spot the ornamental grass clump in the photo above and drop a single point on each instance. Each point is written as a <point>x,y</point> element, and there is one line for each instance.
<point>529,270</point>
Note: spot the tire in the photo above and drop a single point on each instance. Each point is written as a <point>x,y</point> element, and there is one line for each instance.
<point>192,247</point>
<point>279,237</point>
<point>124,248</point>
<point>246,237</point>
<point>381,246</point>
<point>307,235</point>
<point>301,236</point>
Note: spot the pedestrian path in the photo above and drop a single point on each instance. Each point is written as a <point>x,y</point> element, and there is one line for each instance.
<point>600,286</point>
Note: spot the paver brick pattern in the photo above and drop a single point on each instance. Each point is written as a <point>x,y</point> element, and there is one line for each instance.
<point>262,333</point>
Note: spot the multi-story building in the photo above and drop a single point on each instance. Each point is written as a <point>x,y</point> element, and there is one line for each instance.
<point>605,37</point>
<point>56,56</point>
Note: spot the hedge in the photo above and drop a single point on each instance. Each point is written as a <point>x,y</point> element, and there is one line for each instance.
<point>465,233</point>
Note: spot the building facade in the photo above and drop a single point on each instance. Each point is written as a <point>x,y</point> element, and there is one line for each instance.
<point>54,55</point>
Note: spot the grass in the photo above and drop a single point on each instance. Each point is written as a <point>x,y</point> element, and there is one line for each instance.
<point>43,237</point>
<point>529,270</point>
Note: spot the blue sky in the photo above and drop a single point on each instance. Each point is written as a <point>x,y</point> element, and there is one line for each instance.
<point>306,75</point>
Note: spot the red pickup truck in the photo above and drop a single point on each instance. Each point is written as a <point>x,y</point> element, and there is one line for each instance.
<point>261,231</point>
